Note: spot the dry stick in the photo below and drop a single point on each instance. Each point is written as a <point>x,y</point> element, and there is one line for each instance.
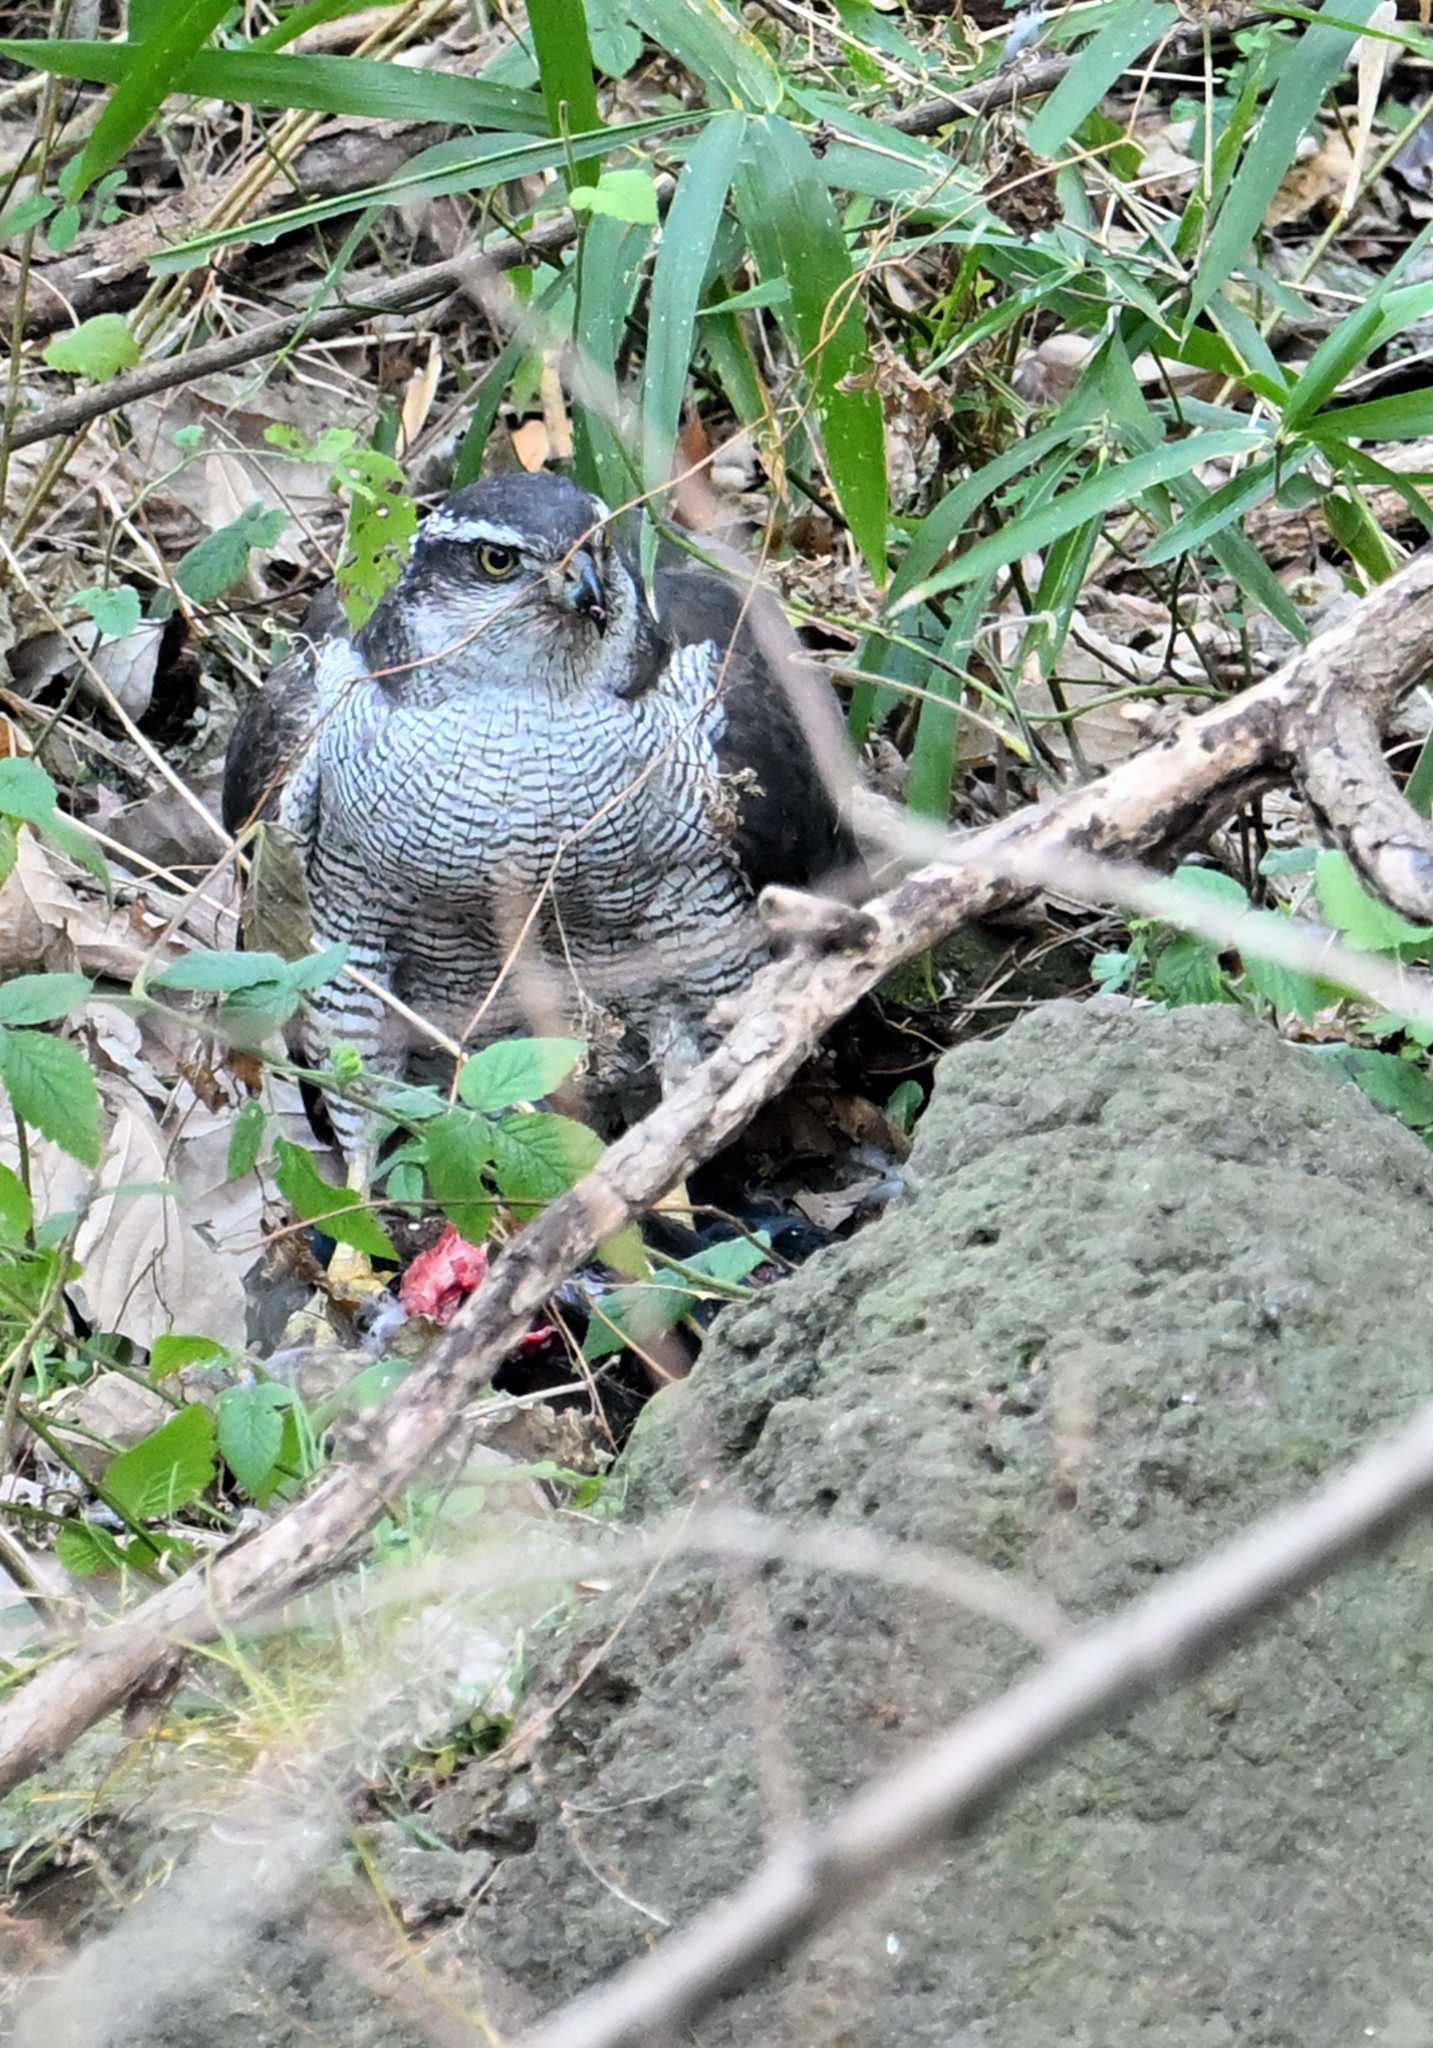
<point>413,288</point>
<point>948,1786</point>
<point>1147,807</point>
<point>1020,82</point>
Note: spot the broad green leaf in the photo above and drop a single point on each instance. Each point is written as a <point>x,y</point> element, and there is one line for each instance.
<point>41,998</point>
<point>678,275</point>
<point>1104,58</point>
<point>316,968</point>
<point>1317,63</point>
<point>1212,883</point>
<point>221,973</point>
<point>539,1156</point>
<point>1187,971</point>
<point>1394,1083</point>
<point>564,68</point>
<point>170,1354</point>
<point>214,564</point>
<point>1285,987</point>
<point>452,167</point>
<point>17,1214</point>
<point>97,349</point>
<point>1289,860</point>
<point>791,224</point>
<point>27,793</point>
<point>115,612</point>
<point>244,1141</point>
<point>51,1086</point>
<point>166,1470</point>
<point>711,41</point>
<point>1368,925</point>
<point>457,1151</point>
<point>625,195</point>
<point>1116,484</point>
<point>153,66</point>
<point>643,1311</point>
<point>329,85</point>
<point>251,1434</point>
<point>517,1070</point>
<point>333,1209</point>
<point>86,1551</point>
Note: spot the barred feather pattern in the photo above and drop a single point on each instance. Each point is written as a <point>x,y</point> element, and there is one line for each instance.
<point>436,824</point>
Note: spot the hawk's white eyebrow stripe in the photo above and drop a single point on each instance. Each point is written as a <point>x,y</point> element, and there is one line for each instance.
<point>453,526</point>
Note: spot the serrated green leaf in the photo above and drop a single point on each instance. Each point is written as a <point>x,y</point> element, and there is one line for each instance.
<point>214,564</point>
<point>17,1214</point>
<point>318,1201</point>
<point>173,1352</point>
<point>382,520</point>
<point>244,1141</point>
<point>1187,971</point>
<point>1285,988</point>
<point>457,1151</point>
<point>791,225</point>
<point>166,1470</point>
<point>251,1434</point>
<point>1368,925</point>
<point>97,349</point>
<point>115,612</point>
<point>1397,1084</point>
<point>51,1086</point>
<point>40,998</point>
<point>86,1552</point>
<point>517,1070</point>
<point>26,791</point>
<point>539,1156</point>
<point>626,195</point>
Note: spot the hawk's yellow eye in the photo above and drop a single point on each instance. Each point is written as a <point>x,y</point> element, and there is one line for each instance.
<point>496,561</point>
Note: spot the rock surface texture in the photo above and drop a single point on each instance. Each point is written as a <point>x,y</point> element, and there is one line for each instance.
<point>1158,1273</point>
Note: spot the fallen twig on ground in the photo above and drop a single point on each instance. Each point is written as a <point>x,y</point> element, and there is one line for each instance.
<point>1149,808</point>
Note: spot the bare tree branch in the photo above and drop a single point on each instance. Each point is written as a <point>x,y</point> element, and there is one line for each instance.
<point>1147,808</point>
<point>947,1787</point>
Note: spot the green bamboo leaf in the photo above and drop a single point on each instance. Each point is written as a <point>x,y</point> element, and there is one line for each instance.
<point>932,767</point>
<point>1104,59</point>
<point>1407,416</point>
<point>1117,484</point>
<point>613,253</point>
<point>467,166</point>
<point>1383,315</point>
<point>564,65</point>
<point>1319,60</point>
<point>148,80</point>
<point>710,41</point>
<point>1222,507</point>
<point>310,14</point>
<point>327,85</point>
<point>683,255</point>
<point>794,234</point>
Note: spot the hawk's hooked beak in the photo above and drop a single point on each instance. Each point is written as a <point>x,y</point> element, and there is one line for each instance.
<point>583,589</point>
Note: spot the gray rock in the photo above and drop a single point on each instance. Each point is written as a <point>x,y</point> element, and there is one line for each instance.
<point>1160,1272</point>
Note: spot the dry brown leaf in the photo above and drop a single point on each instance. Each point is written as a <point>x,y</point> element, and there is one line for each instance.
<point>421,390</point>
<point>1316,181</point>
<point>1373,56</point>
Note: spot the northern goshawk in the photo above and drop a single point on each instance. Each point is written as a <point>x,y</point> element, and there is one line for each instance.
<point>527,803</point>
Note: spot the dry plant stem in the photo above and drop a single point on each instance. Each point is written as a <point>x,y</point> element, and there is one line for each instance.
<point>1021,82</point>
<point>413,288</point>
<point>1146,808</point>
<point>950,1785</point>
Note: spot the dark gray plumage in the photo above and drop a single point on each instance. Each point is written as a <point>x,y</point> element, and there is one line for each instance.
<point>515,762</point>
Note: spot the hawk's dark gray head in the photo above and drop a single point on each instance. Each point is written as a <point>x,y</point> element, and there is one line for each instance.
<point>513,583</point>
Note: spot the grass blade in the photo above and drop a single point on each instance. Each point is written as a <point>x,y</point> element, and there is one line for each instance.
<point>688,238</point>
<point>326,85</point>
<point>1319,60</point>
<point>794,234</point>
<point>1104,58</point>
<point>564,65</point>
<point>710,41</point>
<point>149,72</point>
<point>452,167</point>
<point>1117,484</point>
